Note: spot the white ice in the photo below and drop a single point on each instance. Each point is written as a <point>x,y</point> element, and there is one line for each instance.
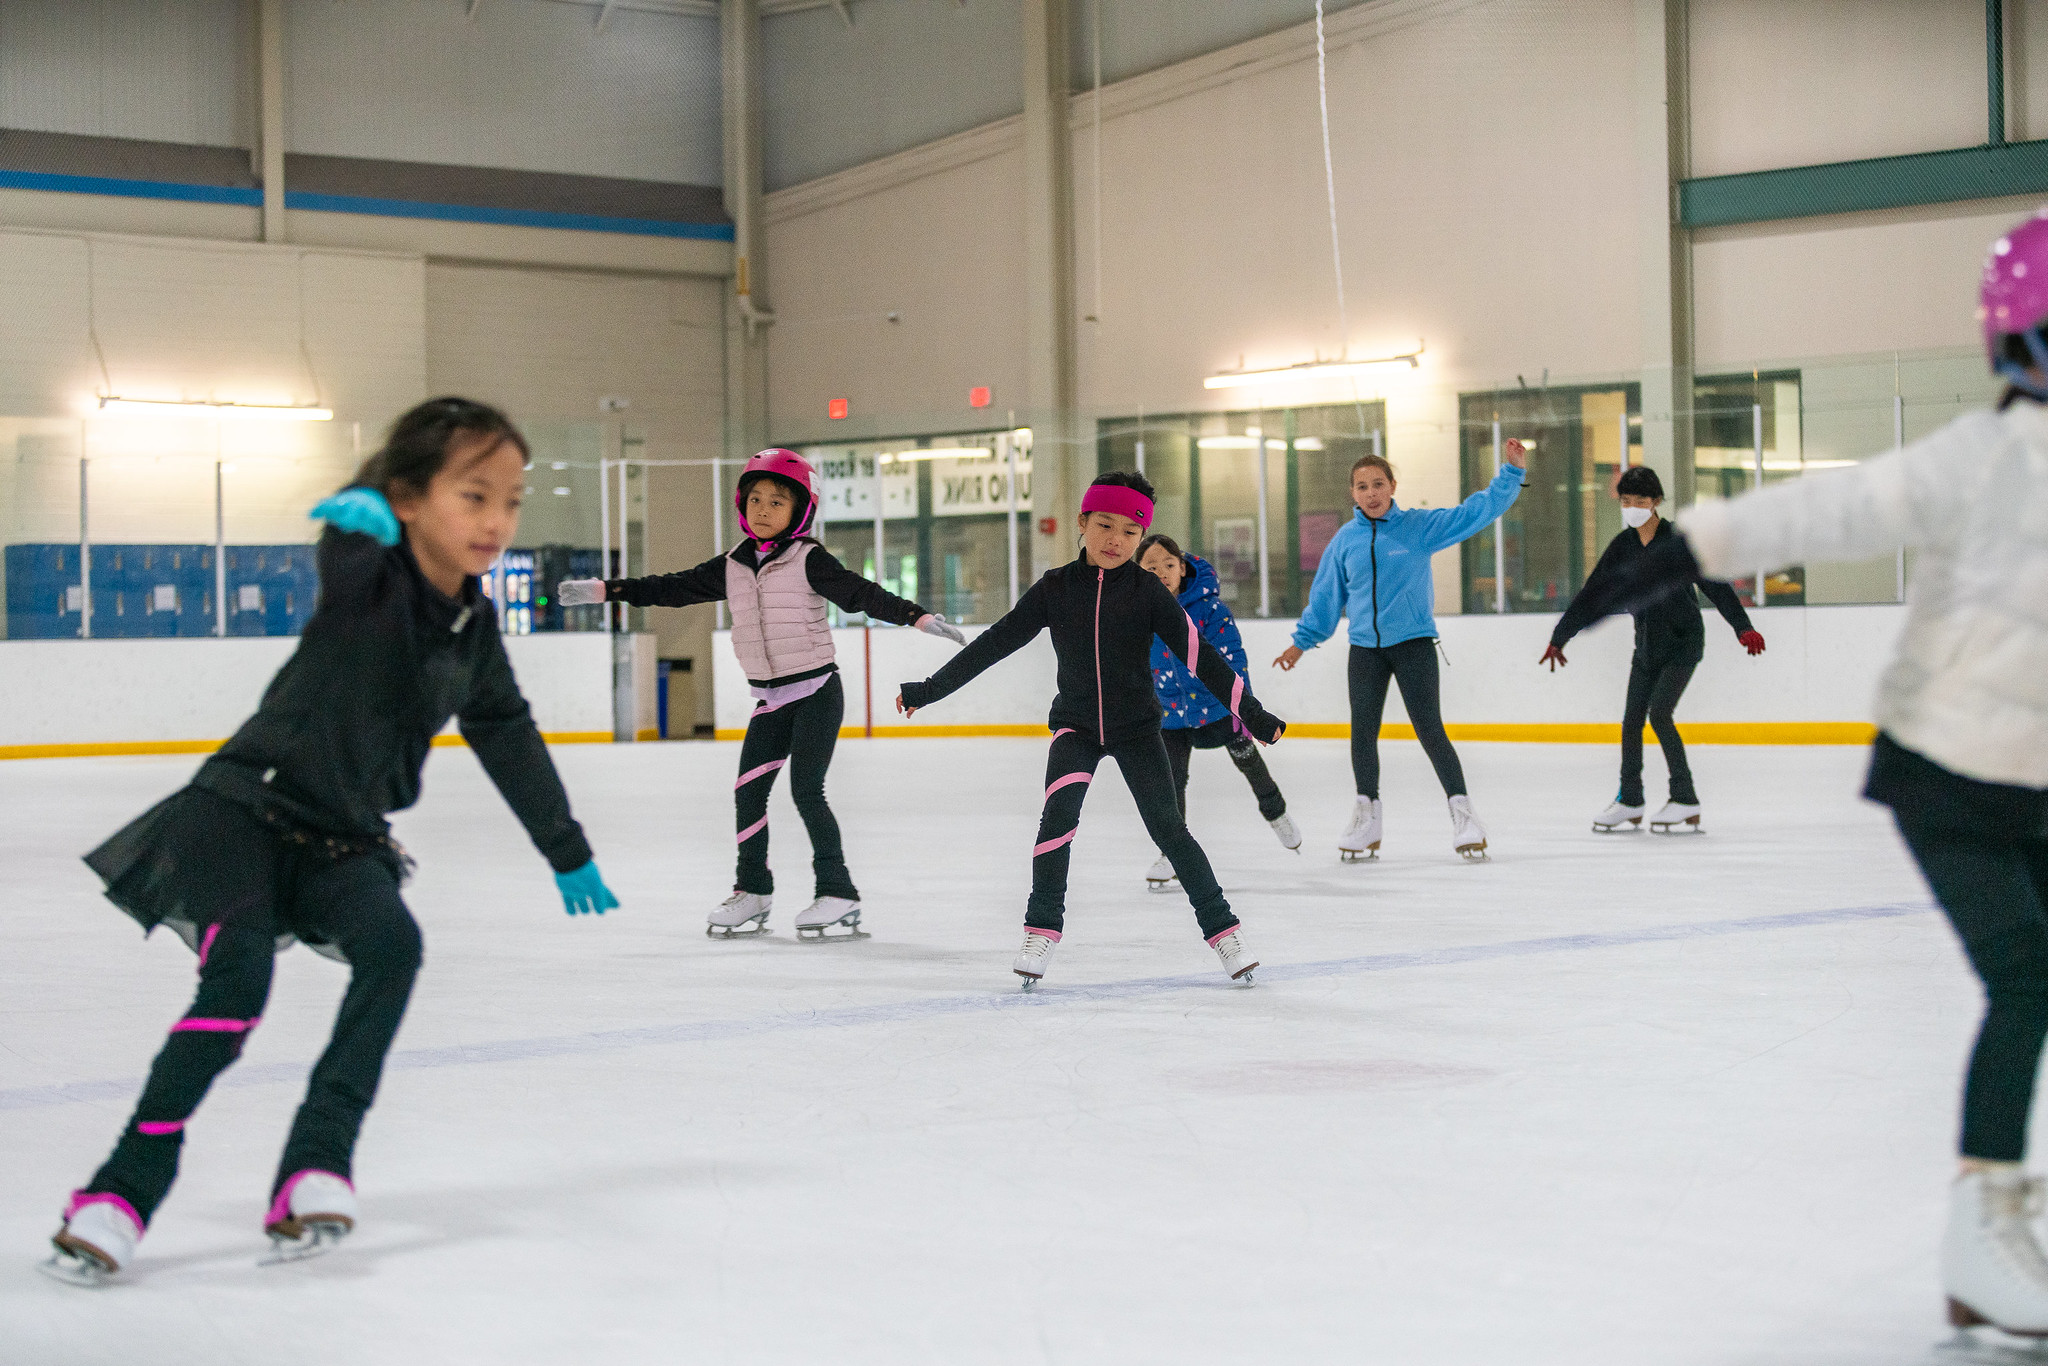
<point>614,1140</point>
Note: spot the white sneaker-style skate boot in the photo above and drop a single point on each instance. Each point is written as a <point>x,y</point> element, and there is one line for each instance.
<point>1360,842</point>
<point>1237,959</point>
<point>829,913</point>
<point>1677,818</point>
<point>1991,1265</point>
<point>1036,953</point>
<point>1161,877</point>
<point>313,1211</point>
<point>1619,816</point>
<point>1289,833</point>
<point>1468,836</point>
<point>98,1239</point>
<point>739,911</point>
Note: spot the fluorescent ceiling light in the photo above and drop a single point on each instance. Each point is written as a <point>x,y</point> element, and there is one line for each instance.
<point>1313,369</point>
<point>938,453</point>
<point>273,412</point>
<point>1251,443</point>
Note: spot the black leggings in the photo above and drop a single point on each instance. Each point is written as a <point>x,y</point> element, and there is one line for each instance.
<point>245,887</point>
<point>1653,693</point>
<point>1243,751</point>
<point>801,734</point>
<point>1994,889</point>
<point>1070,766</point>
<point>1413,664</point>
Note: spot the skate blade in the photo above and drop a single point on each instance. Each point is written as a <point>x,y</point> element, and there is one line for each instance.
<point>1475,853</point>
<point>74,1268</point>
<point>816,934</point>
<point>1634,827</point>
<point>1161,884</point>
<point>1691,827</point>
<point>1243,976</point>
<point>736,932</point>
<point>317,1240</point>
<point>1030,982</point>
<point>1371,855</point>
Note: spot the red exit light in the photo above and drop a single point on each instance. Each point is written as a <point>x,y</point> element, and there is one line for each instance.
<point>835,408</point>
<point>980,396</point>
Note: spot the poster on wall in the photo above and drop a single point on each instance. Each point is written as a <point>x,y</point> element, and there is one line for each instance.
<point>1235,551</point>
<point>846,486</point>
<point>976,482</point>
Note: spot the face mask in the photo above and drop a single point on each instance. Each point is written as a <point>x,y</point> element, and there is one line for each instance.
<point>1635,517</point>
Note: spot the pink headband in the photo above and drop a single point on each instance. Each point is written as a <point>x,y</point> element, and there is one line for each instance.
<point>1125,502</point>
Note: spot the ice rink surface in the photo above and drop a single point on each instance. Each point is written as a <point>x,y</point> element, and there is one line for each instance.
<point>1607,1099</point>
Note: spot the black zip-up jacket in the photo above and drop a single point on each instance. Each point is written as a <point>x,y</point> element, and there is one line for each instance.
<point>345,727</point>
<point>1668,628</point>
<point>1102,623</point>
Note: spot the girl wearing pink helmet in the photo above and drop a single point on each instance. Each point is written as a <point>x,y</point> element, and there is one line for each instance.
<point>776,583</point>
<point>1962,750</point>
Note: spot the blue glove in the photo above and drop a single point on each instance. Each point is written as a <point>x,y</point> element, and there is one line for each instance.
<point>359,510</point>
<point>583,891</point>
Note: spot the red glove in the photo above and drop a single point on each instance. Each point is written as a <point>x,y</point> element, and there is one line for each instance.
<point>1752,641</point>
<point>1552,656</point>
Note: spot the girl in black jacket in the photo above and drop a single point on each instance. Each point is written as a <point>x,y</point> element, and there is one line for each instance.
<point>282,833</point>
<point>1670,641</point>
<point>1102,611</point>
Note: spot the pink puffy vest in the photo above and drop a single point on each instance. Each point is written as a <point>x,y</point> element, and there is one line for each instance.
<point>778,620</point>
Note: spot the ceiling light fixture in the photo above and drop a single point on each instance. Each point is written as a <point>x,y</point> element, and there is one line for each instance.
<point>1311,369</point>
<point>273,412</point>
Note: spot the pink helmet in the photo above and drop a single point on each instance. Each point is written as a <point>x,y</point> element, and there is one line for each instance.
<point>2013,298</point>
<point>791,468</point>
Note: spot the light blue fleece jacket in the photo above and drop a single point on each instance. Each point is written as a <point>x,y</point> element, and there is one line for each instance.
<point>1376,571</point>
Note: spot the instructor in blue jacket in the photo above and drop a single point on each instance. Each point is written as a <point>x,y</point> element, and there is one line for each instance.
<point>1376,572</point>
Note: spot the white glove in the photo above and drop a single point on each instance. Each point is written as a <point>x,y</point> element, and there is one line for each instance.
<point>932,624</point>
<point>580,592</point>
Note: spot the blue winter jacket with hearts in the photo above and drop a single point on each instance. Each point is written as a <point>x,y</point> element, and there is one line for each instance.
<point>1188,704</point>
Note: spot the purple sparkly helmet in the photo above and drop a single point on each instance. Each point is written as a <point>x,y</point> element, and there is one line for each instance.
<point>2013,301</point>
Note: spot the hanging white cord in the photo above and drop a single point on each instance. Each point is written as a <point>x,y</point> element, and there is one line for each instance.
<point>1330,183</point>
<point>1096,55</point>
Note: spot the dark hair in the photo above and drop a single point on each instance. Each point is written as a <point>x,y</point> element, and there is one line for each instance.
<point>1378,462</point>
<point>1638,481</point>
<point>417,446</point>
<point>1166,543</point>
<point>1126,479</point>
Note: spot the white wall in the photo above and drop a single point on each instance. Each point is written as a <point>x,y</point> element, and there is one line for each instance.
<point>167,71</point>
<point>524,84</point>
<point>1821,664</point>
<point>114,692</point>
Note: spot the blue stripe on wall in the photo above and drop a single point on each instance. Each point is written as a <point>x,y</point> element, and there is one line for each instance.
<point>348,203</point>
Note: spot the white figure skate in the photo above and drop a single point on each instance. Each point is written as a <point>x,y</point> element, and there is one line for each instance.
<point>1237,959</point>
<point>1677,818</point>
<point>827,913</point>
<point>1161,877</point>
<point>1468,836</point>
<point>97,1240</point>
<point>1036,953</point>
<point>313,1212</point>
<point>1618,817</point>
<point>1991,1265</point>
<point>737,912</point>
<point>1360,842</point>
<point>1289,833</point>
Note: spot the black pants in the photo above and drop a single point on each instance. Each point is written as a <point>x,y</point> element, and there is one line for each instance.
<point>1984,850</point>
<point>1070,766</point>
<point>801,734</point>
<point>1243,751</point>
<point>1654,687</point>
<point>245,886</point>
<point>1412,663</point>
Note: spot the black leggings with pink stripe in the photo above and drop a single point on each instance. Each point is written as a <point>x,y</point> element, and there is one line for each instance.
<point>244,887</point>
<point>801,735</point>
<point>1070,767</point>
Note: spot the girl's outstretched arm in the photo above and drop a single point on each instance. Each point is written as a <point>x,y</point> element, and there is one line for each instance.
<point>1011,633</point>
<point>685,588</point>
<point>1449,526</point>
<point>498,724</point>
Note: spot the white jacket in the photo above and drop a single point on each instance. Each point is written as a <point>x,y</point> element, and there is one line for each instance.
<point>1969,685</point>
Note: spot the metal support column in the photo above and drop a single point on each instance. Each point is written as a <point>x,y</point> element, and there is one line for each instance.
<point>1756,422</point>
<point>270,99</point>
<point>1059,469</point>
<point>1500,538</point>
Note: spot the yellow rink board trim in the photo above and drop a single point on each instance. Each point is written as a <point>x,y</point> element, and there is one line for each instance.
<point>129,747</point>
<point>1559,733</point>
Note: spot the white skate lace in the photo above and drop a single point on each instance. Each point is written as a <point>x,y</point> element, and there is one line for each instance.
<point>735,899</point>
<point>1036,946</point>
